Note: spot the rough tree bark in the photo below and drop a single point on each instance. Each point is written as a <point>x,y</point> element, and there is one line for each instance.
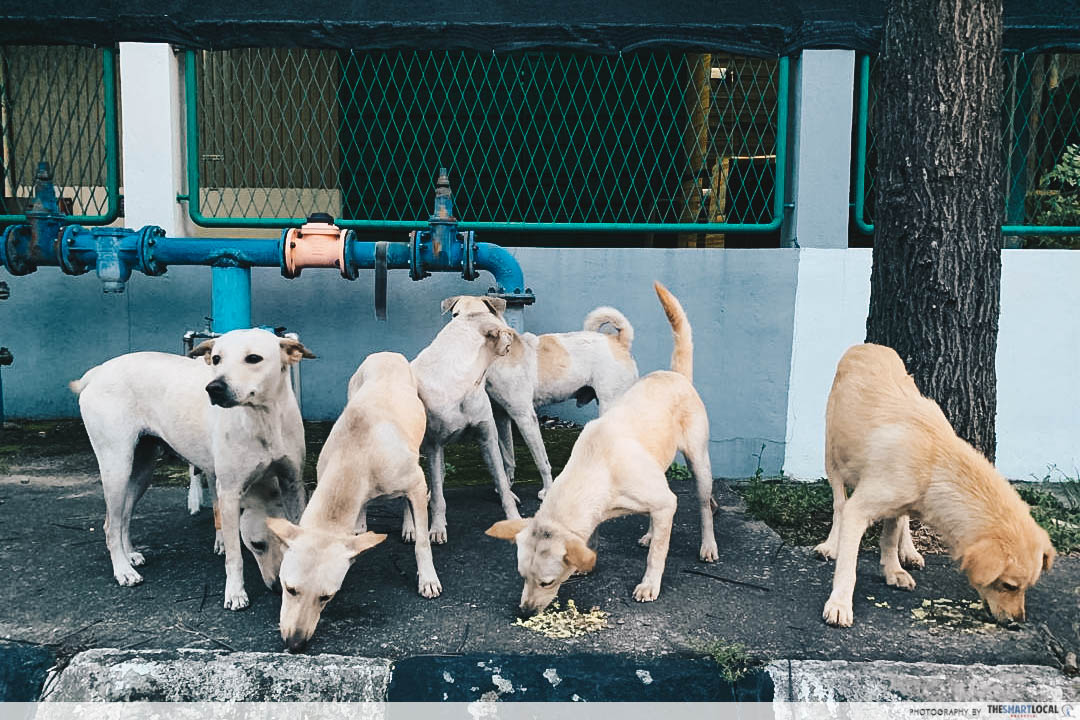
<point>936,281</point>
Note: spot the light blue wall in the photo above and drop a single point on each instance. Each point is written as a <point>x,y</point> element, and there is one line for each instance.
<point>740,303</point>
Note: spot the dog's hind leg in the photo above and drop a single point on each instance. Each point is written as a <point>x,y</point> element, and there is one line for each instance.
<point>908,554</point>
<point>434,452</point>
<point>828,549</point>
<point>195,493</point>
<point>429,585</point>
<point>529,426</point>
<point>115,463</point>
<point>696,452</point>
<point>142,469</point>
<point>890,559</point>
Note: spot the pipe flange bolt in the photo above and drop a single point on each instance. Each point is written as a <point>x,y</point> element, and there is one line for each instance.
<point>147,244</point>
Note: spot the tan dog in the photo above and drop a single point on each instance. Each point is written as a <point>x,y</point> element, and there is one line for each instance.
<point>899,454</point>
<point>373,450</point>
<point>616,468</point>
<point>551,368</point>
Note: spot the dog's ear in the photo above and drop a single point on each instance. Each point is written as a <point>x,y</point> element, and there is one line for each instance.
<point>983,562</point>
<point>496,304</point>
<point>507,529</point>
<point>286,532</point>
<point>449,303</point>
<point>1049,554</point>
<point>292,350</point>
<point>578,555</point>
<point>202,350</point>
<point>500,337</point>
<point>364,541</point>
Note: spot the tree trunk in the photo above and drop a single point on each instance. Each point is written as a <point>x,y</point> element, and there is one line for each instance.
<point>935,289</point>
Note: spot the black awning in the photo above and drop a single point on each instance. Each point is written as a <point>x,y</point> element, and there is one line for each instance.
<point>754,27</point>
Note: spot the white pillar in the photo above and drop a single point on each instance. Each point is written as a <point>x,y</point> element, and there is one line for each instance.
<point>821,168</point>
<point>151,101</point>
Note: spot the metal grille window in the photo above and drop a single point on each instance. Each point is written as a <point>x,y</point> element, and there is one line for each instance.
<point>1041,138</point>
<point>534,141</point>
<point>58,104</point>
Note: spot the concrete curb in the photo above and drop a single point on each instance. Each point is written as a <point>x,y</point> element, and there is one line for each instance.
<point>889,681</point>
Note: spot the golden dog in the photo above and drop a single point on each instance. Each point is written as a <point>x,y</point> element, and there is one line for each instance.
<point>898,453</point>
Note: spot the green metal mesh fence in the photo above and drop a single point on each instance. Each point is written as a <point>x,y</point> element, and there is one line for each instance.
<point>642,141</point>
<point>58,104</point>
<point>1041,133</point>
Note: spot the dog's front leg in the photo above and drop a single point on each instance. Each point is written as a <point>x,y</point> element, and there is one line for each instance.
<point>529,426</point>
<point>853,522</point>
<point>436,470</point>
<point>229,504</point>
<point>429,585</point>
<point>661,516</point>
<point>489,446</point>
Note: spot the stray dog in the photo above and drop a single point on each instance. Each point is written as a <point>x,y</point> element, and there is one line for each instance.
<point>617,467</point>
<point>234,416</point>
<point>372,450</point>
<point>450,380</point>
<point>898,453</point>
<point>551,368</point>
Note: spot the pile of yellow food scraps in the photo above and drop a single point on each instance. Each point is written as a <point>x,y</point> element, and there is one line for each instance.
<point>960,614</point>
<point>568,623</point>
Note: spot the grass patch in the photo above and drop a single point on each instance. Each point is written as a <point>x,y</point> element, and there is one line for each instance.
<point>1055,504</point>
<point>799,512</point>
<point>731,657</point>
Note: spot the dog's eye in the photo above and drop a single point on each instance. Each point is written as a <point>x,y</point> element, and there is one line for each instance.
<point>258,545</point>
<point>253,359</point>
<point>547,584</point>
<point>290,590</point>
<point>216,359</point>
<point>1009,587</point>
<point>325,598</point>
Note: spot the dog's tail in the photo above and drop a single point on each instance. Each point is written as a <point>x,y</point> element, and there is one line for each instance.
<point>610,316</point>
<point>77,386</point>
<point>682,357</point>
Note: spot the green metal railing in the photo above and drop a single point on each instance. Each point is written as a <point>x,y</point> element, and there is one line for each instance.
<point>534,141</point>
<point>59,104</point>
<point>1040,123</point>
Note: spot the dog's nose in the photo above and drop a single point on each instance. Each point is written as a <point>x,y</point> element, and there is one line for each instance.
<point>525,613</point>
<point>217,391</point>
<point>296,643</point>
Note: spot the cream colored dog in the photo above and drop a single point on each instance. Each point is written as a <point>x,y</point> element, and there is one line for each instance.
<point>234,416</point>
<point>373,450</point>
<point>898,453</point>
<point>617,467</point>
<point>450,380</point>
<point>551,368</point>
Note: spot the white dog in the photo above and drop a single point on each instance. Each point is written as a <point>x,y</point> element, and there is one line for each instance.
<point>372,450</point>
<point>234,416</point>
<point>450,379</point>
<point>551,368</point>
<point>617,467</point>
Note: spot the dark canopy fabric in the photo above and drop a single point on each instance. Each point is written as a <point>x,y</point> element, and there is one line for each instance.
<point>755,27</point>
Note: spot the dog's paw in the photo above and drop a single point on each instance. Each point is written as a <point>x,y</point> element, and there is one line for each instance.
<point>236,599</point>
<point>826,551</point>
<point>646,592</point>
<point>911,558</point>
<point>136,559</point>
<point>430,587</point>
<point>408,534</point>
<point>128,577</point>
<point>900,578</point>
<point>838,614</point>
<point>219,543</point>
<point>645,539</point>
<point>437,535</point>
<point>709,553</point>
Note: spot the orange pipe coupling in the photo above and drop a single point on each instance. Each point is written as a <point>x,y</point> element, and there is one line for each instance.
<point>318,243</point>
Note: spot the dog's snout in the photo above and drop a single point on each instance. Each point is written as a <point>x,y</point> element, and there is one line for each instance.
<point>525,612</point>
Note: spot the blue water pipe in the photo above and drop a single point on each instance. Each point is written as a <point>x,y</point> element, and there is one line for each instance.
<point>114,253</point>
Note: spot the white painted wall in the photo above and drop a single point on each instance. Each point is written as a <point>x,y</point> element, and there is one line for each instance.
<point>1038,421</point>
